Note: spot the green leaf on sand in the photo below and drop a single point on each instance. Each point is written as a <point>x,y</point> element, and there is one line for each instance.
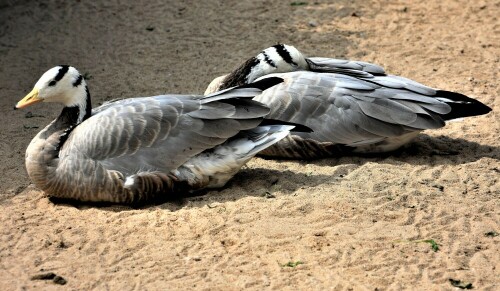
<point>291,264</point>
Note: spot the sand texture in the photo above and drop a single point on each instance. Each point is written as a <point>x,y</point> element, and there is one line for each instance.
<point>350,223</point>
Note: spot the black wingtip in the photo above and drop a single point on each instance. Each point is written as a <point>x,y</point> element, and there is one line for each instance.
<point>264,84</point>
<point>297,128</point>
<point>462,106</point>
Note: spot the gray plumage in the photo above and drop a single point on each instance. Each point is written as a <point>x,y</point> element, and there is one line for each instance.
<point>349,105</point>
<point>141,149</point>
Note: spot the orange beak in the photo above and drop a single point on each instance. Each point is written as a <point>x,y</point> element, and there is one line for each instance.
<point>30,99</point>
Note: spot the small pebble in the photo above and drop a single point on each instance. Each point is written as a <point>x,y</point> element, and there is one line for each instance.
<point>313,23</point>
<point>59,280</point>
<point>44,276</point>
<point>50,276</point>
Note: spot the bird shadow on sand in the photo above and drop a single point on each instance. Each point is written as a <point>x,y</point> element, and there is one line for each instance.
<point>256,182</point>
<point>424,150</point>
<point>261,182</point>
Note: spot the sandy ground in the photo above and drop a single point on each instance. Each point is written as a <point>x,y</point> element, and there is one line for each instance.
<point>347,223</point>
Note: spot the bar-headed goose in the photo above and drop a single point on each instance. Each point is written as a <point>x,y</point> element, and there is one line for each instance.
<point>349,105</point>
<point>141,149</point>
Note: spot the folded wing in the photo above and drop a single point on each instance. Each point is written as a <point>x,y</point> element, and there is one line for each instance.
<point>351,110</point>
<point>161,133</point>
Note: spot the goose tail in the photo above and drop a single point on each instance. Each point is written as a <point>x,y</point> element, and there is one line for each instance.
<point>461,105</point>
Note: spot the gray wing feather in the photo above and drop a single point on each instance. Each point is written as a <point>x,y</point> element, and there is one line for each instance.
<point>356,84</point>
<point>430,121</point>
<point>234,108</point>
<point>160,133</point>
<point>349,110</point>
<point>213,111</point>
<point>354,68</point>
<point>360,69</point>
<point>442,108</point>
<point>231,93</point>
<point>388,111</point>
<point>398,82</point>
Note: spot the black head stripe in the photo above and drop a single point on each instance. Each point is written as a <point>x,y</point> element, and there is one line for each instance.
<point>285,54</point>
<point>60,74</point>
<point>268,60</point>
<point>62,71</point>
<point>78,81</point>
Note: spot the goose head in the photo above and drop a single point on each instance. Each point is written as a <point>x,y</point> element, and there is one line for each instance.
<point>61,84</point>
<point>280,58</point>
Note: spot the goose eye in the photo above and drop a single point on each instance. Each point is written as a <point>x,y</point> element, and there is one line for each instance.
<point>52,83</point>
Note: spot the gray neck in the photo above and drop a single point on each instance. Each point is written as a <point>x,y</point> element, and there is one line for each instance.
<point>43,152</point>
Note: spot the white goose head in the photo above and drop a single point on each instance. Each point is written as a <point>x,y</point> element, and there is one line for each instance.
<point>280,58</point>
<point>61,84</point>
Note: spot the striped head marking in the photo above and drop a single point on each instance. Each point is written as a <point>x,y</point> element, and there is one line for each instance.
<point>280,58</point>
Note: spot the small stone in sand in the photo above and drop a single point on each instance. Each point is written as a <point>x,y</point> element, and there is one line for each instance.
<point>59,280</point>
<point>50,276</point>
<point>44,276</point>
